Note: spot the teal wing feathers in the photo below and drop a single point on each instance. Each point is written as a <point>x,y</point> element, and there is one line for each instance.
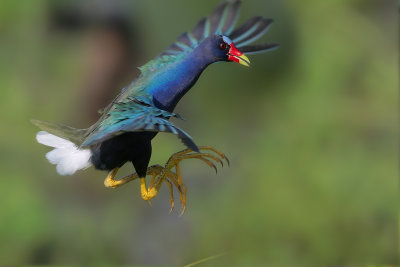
<point>136,114</point>
<point>76,136</point>
<point>222,21</point>
<point>249,32</point>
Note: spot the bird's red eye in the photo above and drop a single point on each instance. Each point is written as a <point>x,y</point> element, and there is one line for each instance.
<point>223,46</point>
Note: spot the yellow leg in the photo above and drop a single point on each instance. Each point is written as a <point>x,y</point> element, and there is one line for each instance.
<point>171,195</point>
<point>111,182</point>
<point>181,185</point>
<point>149,193</point>
<point>166,174</point>
<point>175,159</point>
<point>220,154</point>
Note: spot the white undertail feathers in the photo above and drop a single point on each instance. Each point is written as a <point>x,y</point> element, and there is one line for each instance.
<point>66,155</point>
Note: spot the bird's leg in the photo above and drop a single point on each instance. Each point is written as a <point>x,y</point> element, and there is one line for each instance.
<point>161,174</point>
<point>164,175</point>
<point>146,194</point>
<point>171,195</point>
<point>183,187</point>
<point>154,171</point>
<point>209,148</point>
<point>111,182</point>
<point>176,179</point>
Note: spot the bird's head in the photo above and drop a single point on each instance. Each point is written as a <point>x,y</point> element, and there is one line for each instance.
<point>221,48</point>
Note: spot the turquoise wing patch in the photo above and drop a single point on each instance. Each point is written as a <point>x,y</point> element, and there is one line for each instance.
<point>136,115</point>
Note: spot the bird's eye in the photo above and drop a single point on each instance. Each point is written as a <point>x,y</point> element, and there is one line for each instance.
<point>223,46</point>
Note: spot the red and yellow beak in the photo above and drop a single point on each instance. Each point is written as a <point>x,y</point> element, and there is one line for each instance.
<point>235,55</point>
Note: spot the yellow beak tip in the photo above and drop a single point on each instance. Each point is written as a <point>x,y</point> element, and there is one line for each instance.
<point>244,60</point>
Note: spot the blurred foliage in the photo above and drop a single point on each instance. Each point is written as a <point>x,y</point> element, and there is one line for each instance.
<point>311,130</point>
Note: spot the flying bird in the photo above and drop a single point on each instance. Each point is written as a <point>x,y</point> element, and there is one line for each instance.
<point>127,125</point>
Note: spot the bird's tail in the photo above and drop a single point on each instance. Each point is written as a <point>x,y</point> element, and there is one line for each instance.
<point>65,140</point>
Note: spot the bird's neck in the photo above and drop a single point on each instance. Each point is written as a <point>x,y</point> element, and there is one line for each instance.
<point>177,80</point>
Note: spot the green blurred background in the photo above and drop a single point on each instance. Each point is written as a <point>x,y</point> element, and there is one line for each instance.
<point>311,131</point>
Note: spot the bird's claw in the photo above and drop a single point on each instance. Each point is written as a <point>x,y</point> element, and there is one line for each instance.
<point>176,178</point>
<point>160,174</point>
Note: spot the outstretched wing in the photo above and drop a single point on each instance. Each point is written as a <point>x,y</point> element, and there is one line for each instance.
<point>251,31</point>
<point>222,21</point>
<point>136,115</point>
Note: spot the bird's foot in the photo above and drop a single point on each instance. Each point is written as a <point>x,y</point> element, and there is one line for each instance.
<point>160,174</point>
<point>110,182</point>
<point>176,178</point>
